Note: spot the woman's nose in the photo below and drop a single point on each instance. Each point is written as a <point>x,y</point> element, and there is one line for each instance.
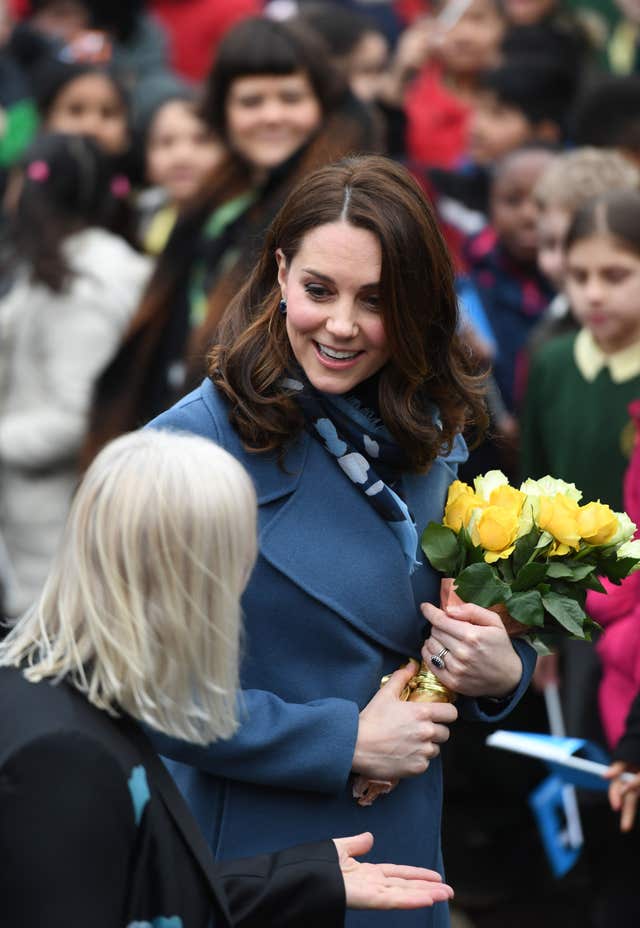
<point>272,111</point>
<point>341,322</point>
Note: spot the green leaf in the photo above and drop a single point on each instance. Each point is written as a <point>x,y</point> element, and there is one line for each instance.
<point>539,645</point>
<point>440,545</point>
<point>558,570</point>
<point>567,612</point>
<point>505,570</point>
<point>524,549</point>
<point>480,584</point>
<point>527,607</point>
<point>530,576</point>
<point>616,569</point>
<point>465,552</point>
<point>569,570</point>
<point>593,583</point>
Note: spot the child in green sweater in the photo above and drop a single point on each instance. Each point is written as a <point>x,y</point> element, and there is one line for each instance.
<point>576,424</point>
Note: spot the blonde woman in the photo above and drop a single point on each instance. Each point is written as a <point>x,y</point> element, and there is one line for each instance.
<point>140,621</point>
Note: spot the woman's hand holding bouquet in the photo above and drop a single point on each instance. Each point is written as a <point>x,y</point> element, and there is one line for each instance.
<point>517,562</point>
<point>535,551</point>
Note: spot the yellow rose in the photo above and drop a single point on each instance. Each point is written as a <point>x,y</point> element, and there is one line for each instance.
<point>558,515</point>
<point>486,484</point>
<point>461,502</point>
<point>495,529</point>
<point>508,498</point>
<point>597,523</point>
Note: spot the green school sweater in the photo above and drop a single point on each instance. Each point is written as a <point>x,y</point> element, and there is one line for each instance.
<point>575,429</point>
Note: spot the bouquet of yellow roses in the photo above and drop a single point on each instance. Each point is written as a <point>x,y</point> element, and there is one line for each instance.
<point>530,554</point>
<point>535,549</point>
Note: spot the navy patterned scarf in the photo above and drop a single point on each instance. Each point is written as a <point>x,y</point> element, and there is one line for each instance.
<point>357,440</point>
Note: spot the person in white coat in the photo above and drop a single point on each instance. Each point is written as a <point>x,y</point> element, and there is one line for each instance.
<point>74,285</point>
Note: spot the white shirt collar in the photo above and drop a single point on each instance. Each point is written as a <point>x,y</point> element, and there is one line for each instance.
<point>590,359</point>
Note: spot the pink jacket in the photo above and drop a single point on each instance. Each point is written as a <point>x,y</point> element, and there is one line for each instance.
<point>619,614</point>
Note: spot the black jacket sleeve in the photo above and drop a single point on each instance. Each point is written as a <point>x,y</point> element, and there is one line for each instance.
<point>628,748</point>
<point>301,886</point>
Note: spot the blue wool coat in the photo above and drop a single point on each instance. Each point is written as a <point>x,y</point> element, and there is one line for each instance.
<point>330,608</point>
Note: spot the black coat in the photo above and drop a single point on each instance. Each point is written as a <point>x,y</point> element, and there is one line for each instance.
<point>93,832</point>
<point>628,747</point>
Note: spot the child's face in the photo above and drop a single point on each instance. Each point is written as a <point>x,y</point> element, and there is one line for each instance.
<point>473,44</point>
<point>181,150</point>
<point>91,105</point>
<point>366,66</point>
<point>603,286</point>
<point>496,129</point>
<point>514,211</point>
<point>553,224</point>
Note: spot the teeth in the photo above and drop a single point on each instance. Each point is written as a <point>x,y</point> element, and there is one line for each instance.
<point>337,355</point>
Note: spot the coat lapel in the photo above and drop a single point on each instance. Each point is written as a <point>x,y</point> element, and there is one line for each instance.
<point>347,557</point>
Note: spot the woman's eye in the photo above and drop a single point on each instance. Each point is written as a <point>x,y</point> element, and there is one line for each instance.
<point>291,98</point>
<point>372,302</point>
<point>316,291</point>
<point>250,102</point>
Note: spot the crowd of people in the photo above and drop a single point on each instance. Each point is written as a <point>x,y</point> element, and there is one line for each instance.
<point>364,247</point>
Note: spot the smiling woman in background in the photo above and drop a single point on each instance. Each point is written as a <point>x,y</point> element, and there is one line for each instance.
<point>281,111</point>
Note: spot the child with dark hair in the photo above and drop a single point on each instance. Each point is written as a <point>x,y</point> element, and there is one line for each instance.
<point>576,423</point>
<point>83,99</point>
<point>578,426</point>
<point>525,100</point>
<point>360,52</point>
<point>572,178</point>
<point>73,288</point>
<point>179,151</point>
<point>608,115</point>
<point>134,42</point>
<point>440,101</point>
<point>502,268</point>
<point>79,98</point>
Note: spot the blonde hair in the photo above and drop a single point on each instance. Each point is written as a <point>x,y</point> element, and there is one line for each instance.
<point>141,608</point>
<point>574,177</point>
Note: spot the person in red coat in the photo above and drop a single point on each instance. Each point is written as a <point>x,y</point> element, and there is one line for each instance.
<point>195,28</point>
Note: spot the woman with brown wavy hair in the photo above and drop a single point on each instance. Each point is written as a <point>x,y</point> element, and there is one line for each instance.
<point>281,111</point>
<point>339,382</point>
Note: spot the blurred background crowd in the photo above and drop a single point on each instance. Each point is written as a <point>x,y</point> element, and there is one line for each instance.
<point>145,148</point>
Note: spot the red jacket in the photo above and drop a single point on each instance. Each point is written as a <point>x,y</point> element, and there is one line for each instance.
<point>438,121</point>
<point>195,28</point>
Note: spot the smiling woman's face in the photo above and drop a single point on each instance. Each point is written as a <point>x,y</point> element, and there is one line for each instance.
<point>334,320</point>
<point>269,116</point>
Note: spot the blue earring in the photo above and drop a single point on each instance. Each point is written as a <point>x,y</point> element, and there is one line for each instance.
<point>282,306</point>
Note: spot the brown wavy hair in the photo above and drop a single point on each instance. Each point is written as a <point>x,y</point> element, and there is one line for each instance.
<point>418,304</point>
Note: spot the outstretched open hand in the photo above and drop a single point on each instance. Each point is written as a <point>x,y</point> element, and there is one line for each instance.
<point>386,886</point>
